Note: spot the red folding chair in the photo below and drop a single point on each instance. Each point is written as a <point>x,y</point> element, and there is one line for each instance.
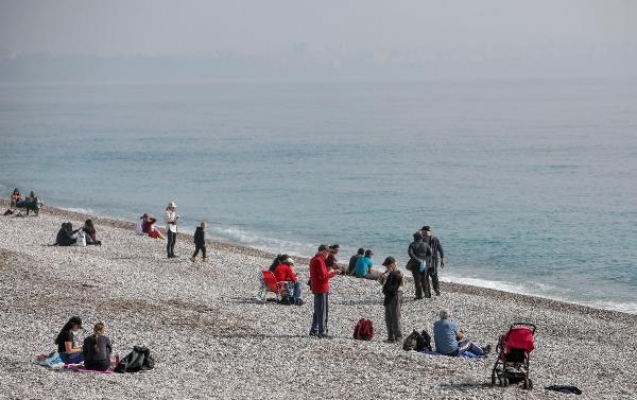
<point>269,284</point>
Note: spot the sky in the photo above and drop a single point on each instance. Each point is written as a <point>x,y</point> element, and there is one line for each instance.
<point>325,31</point>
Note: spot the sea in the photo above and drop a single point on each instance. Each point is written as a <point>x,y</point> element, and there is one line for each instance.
<point>530,185</point>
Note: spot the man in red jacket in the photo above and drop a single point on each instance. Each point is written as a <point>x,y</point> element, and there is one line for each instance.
<point>320,286</point>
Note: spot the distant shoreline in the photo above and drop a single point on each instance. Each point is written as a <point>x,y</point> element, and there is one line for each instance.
<point>497,295</point>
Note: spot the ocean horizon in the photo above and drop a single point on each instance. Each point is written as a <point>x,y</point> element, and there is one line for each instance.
<point>529,185</point>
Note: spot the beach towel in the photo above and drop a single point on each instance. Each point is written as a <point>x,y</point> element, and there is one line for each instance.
<point>52,360</point>
<point>466,354</point>
<point>80,368</point>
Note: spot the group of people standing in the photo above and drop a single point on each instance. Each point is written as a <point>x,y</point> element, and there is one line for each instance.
<point>148,225</point>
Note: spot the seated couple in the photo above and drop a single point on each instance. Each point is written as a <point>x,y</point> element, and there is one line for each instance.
<point>86,235</point>
<point>30,203</point>
<point>451,341</point>
<point>283,268</point>
<point>95,352</point>
<point>147,224</point>
<point>364,266</point>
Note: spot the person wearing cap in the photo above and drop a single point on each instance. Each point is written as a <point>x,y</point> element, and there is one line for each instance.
<point>320,286</point>
<point>69,353</point>
<point>419,252</point>
<point>332,260</point>
<point>171,222</point>
<point>437,258</point>
<point>284,272</point>
<point>392,289</point>
<point>364,266</point>
<point>351,269</point>
<point>451,341</point>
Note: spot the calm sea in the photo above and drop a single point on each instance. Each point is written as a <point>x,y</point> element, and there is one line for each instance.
<point>530,186</point>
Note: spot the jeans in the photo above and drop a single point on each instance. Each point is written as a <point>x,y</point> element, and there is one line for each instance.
<point>170,245</point>
<point>74,358</point>
<point>319,318</point>
<point>432,272</point>
<point>419,281</point>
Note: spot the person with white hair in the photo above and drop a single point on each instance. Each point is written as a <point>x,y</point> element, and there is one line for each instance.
<point>451,341</point>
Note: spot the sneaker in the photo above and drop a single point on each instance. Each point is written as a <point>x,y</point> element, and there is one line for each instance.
<point>324,336</point>
<point>299,302</point>
<point>437,293</point>
<point>205,259</point>
<point>486,350</point>
<point>193,259</point>
<point>314,334</point>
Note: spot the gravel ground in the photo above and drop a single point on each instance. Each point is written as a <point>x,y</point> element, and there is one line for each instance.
<point>212,339</point>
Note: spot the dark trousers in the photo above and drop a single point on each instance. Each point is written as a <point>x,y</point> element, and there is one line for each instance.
<point>392,316</point>
<point>201,247</point>
<point>170,245</point>
<point>419,281</point>
<point>432,272</point>
<point>321,310</point>
<point>97,365</point>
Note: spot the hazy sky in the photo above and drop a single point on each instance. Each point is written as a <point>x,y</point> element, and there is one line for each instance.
<point>270,27</point>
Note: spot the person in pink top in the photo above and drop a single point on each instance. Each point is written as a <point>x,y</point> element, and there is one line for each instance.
<point>320,286</point>
<point>284,272</point>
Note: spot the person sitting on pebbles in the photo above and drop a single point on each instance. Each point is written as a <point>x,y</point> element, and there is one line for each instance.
<point>149,227</point>
<point>65,235</point>
<point>69,353</point>
<point>97,349</point>
<point>284,272</point>
<point>451,341</point>
<point>364,267</point>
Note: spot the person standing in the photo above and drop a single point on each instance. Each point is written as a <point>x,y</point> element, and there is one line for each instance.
<point>437,258</point>
<point>200,242</point>
<point>97,350</point>
<point>392,289</point>
<point>418,252</point>
<point>171,222</point>
<point>320,286</point>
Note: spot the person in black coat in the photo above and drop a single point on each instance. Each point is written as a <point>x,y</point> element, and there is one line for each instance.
<point>200,243</point>
<point>65,235</point>
<point>392,289</point>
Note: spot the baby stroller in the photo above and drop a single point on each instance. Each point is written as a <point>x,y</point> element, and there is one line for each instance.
<point>514,349</point>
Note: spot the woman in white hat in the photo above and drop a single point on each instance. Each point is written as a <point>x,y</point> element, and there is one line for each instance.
<point>171,228</point>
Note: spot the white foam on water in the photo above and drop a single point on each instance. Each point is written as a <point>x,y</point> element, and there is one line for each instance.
<point>544,291</point>
<point>274,245</point>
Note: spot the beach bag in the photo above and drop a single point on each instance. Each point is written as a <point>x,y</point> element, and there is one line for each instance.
<point>140,359</point>
<point>364,330</point>
<point>415,342</point>
<point>426,341</point>
<point>81,238</point>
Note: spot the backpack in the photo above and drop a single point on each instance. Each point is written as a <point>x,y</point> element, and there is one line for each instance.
<point>426,341</point>
<point>417,341</point>
<point>364,330</point>
<point>139,359</point>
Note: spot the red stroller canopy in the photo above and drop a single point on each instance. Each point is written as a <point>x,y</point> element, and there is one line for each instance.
<point>520,338</point>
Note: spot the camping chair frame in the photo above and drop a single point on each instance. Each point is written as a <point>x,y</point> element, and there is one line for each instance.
<point>512,366</point>
<point>269,284</point>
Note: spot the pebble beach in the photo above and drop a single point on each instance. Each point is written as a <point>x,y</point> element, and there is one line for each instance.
<point>212,339</point>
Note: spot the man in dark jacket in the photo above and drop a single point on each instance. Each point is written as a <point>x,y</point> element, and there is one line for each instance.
<point>392,289</point>
<point>437,257</point>
<point>418,252</point>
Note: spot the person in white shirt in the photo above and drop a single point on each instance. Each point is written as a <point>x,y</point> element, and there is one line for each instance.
<point>171,228</point>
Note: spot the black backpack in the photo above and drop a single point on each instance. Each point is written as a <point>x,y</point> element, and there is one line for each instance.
<point>139,359</point>
<point>417,341</point>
